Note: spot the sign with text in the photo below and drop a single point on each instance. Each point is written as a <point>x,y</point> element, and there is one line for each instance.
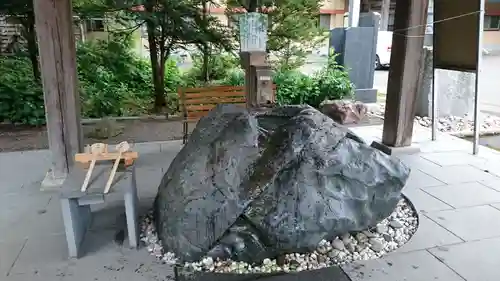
<point>253,32</point>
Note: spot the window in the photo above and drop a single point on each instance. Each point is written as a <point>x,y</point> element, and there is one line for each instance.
<point>491,22</point>
<point>95,25</point>
<point>324,21</point>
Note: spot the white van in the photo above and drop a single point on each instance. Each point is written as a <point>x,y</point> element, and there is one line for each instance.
<point>384,45</point>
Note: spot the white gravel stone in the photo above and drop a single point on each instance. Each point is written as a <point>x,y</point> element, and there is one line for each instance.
<point>338,244</point>
<point>387,236</point>
<point>450,124</point>
<point>396,224</point>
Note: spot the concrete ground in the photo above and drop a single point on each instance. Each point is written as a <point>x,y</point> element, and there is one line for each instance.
<point>457,196</point>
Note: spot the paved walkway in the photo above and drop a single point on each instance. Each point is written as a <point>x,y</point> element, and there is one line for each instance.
<point>456,194</point>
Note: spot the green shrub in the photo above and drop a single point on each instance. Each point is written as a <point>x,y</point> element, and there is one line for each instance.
<point>219,66</point>
<point>113,81</point>
<point>332,82</point>
<point>21,97</point>
<point>294,87</point>
<point>235,77</point>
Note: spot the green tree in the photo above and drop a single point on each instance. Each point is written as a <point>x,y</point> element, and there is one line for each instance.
<point>21,12</point>
<point>175,24</point>
<point>293,30</point>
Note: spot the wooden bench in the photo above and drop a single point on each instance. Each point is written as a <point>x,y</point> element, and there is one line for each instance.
<point>197,102</point>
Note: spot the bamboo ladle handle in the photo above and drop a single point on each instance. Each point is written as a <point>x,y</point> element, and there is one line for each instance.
<point>96,149</point>
<point>121,148</point>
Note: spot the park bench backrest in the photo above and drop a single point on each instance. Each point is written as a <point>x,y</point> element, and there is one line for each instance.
<point>197,102</point>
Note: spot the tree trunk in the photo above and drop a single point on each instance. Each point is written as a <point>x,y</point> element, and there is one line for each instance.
<point>30,36</point>
<point>205,72</point>
<point>252,6</point>
<point>159,92</point>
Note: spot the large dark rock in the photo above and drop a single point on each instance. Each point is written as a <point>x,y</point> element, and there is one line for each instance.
<point>256,185</point>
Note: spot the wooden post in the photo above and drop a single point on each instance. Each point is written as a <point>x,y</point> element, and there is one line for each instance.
<point>407,47</point>
<point>56,43</point>
<point>385,12</point>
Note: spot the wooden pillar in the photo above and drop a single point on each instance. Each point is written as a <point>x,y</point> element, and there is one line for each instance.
<point>384,14</point>
<point>56,43</point>
<point>407,46</point>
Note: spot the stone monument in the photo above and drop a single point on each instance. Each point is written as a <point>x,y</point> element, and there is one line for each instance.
<point>454,90</point>
<point>356,47</point>
<point>253,184</point>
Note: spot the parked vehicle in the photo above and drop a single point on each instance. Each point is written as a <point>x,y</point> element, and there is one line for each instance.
<point>384,45</point>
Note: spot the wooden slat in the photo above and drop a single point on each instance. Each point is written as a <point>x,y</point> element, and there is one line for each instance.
<point>196,114</point>
<point>191,108</point>
<point>214,94</point>
<point>197,102</point>
<point>204,110</point>
<point>214,89</point>
<point>214,100</point>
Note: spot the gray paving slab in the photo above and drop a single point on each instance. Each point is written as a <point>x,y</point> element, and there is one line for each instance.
<point>16,205</point>
<point>475,261</point>
<point>464,194</point>
<point>146,147</point>
<point>118,265</point>
<point>42,256</point>
<point>445,143</point>
<point>148,181</point>
<point>424,202</point>
<point>451,158</point>
<point>496,206</point>
<point>429,234</point>
<point>490,166</point>
<point>470,223</point>
<point>37,221</point>
<point>9,252</point>
<point>414,266</point>
<point>492,183</point>
<point>420,179</point>
<point>459,174</point>
<point>415,162</point>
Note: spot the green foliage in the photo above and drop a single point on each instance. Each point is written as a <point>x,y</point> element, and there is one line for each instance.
<point>235,77</point>
<point>293,30</point>
<point>113,81</point>
<point>294,87</point>
<point>219,67</point>
<point>332,82</point>
<point>21,97</point>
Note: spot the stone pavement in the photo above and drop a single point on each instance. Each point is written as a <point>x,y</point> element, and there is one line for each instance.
<point>457,196</point>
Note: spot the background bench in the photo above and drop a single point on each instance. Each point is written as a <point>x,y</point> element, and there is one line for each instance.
<point>197,102</point>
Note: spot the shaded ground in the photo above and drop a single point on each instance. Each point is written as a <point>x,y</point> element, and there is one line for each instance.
<point>134,131</point>
<point>457,196</point>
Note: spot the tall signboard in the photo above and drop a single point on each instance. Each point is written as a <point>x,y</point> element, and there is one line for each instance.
<point>457,45</point>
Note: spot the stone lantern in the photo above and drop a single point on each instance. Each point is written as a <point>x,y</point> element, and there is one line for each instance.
<point>253,55</point>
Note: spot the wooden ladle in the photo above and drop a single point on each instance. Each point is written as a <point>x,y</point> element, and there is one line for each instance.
<point>121,148</point>
<point>96,149</point>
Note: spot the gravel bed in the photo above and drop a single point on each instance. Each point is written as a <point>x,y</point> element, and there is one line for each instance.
<point>451,124</point>
<point>454,124</point>
<point>388,235</point>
